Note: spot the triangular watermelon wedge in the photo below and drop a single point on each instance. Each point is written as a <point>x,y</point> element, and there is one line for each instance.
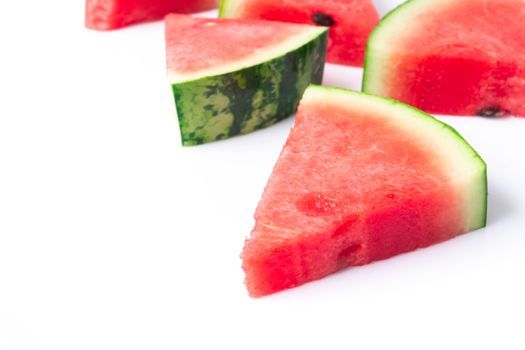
<point>232,77</point>
<point>361,178</point>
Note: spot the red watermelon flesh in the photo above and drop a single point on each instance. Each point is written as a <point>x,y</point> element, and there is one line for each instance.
<point>114,14</point>
<point>350,21</point>
<point>459,57</point>
<point>360,179</point>
<point>192,48</point>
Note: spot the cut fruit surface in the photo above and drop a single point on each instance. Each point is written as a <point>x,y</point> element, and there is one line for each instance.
<point>232,77</point>
<point>350,21</point>
<point>459,57</point>
<point>361,178</point>
<point>115,14</point>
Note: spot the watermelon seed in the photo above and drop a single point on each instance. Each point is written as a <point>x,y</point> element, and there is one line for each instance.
<point>323,19</point>
<point>493,111</point>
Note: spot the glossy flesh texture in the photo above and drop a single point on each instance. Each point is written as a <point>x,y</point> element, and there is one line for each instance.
<point>232,77</point>
<point>115,14</point>
<point>360,179</point>
<point>458,57</point>
<point>350,21</point>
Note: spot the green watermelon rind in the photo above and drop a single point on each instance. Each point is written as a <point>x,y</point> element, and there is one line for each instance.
<point>217,107</point>
<point>478,194</point>
<point>222,9</point>
<point>227,8</point>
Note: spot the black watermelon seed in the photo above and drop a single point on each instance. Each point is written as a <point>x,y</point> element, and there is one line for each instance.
<point>323,19</point>
<point>492,111</point>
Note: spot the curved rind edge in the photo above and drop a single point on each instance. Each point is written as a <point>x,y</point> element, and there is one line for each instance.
<point>310,34</point>
<point>477,216</point>
<point>369,52</point>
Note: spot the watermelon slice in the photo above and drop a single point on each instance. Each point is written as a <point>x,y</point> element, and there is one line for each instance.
<point>350,21</point>
<point>231,77</point>
<point>361,178</point>
<point>459,57</point>
<point>114,14</point>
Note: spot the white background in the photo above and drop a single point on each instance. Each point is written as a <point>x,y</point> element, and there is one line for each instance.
<point>113,236</point>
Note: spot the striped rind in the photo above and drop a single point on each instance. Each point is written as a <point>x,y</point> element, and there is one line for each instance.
<point>241,101</point>
<point>465,169</point>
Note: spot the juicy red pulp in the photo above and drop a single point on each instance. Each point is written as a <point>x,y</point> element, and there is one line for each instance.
<point>348,189</point>
<point>468,58</point>
<point>350,22</point>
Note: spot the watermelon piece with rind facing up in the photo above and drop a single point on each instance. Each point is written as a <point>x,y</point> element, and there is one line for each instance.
<point>361,178</point>
<point>115,14</point>
<point>456,57</point>
<point>350,21</point>
<point>231,77</point>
